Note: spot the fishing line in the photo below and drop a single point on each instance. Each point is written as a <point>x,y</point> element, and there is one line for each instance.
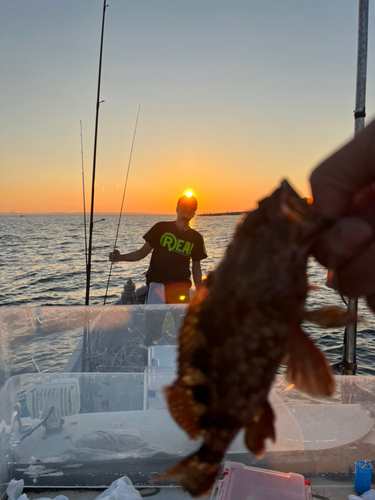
<point>43,422</point>
<point>83,187</point>
<point>122,203</point>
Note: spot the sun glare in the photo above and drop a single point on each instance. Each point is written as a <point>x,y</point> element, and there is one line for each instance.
<point>188,194</point>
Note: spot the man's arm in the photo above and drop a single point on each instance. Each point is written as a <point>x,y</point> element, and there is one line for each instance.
<point>197,273</point>
<point>139,254</point>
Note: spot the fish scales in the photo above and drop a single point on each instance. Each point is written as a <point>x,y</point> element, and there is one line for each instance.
<point>240,326</point>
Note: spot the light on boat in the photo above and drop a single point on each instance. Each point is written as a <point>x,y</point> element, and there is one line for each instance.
<point>182,297</point>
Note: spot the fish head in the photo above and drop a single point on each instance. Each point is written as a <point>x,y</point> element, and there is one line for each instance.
<point>271,247</point>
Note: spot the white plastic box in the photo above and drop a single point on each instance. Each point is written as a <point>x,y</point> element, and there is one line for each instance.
<point>163,356</point>
<point>250,483</point>
<point>160,372</point>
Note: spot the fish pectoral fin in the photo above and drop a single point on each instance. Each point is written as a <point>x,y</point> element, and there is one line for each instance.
<point>196,473</point>
<point>330,316</point>
<point>308,368</point>
<point>259,429</point>
<point>183,408</point>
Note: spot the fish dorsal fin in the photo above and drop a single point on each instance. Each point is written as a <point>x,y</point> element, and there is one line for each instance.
<point>308,368</point>
<point>192,357</point>
<point>183,408</point>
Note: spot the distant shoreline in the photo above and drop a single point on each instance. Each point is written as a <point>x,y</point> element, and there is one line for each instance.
<point>220,213</point>
<point>98,214</point>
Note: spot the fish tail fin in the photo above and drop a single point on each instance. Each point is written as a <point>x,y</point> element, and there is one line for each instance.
<point>259,429</point>
<point>196,473</point>
<point>308,368</point>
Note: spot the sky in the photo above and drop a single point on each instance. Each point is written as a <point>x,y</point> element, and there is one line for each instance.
<point>234,96</point>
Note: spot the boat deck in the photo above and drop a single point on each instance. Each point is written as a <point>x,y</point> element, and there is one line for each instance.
<point>157,494</point>
<point>321,488</point>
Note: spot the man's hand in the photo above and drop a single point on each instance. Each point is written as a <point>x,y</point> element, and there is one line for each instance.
<point>115,256</point>
<point>343,190</point>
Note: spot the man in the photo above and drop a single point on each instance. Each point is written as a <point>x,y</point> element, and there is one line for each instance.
<point>173,244</point>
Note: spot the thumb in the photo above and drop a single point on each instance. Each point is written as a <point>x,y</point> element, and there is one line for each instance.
<point>342,242</point>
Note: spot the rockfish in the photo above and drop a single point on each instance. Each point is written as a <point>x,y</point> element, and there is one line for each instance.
<point>241,325</point>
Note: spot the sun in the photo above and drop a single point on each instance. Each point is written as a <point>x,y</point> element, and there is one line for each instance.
<point>189,194</point>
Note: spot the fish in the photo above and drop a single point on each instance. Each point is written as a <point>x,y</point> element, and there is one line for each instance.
<point>242,323</point>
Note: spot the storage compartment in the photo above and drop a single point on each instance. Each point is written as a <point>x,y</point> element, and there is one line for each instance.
<point>250,483</point>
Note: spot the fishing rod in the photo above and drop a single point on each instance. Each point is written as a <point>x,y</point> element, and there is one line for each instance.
<point>122,203</point>
<point>83,187</point>
<point>348,364</point>
<point>98,102</point>
<point>350,361</point>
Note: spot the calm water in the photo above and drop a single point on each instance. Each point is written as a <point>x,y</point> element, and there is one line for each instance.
<point>43,263</point>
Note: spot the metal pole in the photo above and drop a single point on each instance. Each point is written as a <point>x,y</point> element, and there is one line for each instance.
<point>359,123</point>
<point>88,269</point>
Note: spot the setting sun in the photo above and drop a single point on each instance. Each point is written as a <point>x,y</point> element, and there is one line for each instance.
<point>188,194</point>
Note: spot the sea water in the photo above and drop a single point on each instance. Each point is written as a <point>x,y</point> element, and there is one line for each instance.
<point>42,263</point>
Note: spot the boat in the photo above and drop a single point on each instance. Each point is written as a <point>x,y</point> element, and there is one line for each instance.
<point>104,416</point>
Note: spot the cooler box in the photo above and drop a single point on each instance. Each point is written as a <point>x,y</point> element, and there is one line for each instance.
<point>249,483</point>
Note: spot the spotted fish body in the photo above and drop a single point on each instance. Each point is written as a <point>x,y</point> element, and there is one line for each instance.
<point>238,329</point>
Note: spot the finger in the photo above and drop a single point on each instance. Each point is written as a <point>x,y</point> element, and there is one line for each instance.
<point>371,302</point>
<point>357,277</point>
<point>342,242</point>
<point>350,169</point>
<point>363,205</point>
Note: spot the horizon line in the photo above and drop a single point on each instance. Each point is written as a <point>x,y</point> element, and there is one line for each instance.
<point>19,214</point>
<point>74,213</point>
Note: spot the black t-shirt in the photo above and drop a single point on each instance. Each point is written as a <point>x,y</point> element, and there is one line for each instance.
<point>172,250</point>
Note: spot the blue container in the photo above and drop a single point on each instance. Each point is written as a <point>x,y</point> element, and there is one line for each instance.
<point>362,478</point>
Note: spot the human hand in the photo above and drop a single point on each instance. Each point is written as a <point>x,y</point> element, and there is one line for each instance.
<point>115,256</point>
<point>343,189</point>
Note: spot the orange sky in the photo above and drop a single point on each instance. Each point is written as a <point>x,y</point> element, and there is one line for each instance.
<point>219,182</point>
<point>218,186</point>
<point>261,92</point>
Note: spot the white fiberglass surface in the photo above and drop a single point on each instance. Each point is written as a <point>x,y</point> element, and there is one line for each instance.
<point>87,429</point>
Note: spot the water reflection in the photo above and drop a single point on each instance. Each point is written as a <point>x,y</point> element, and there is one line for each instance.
<point>53,273</point>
